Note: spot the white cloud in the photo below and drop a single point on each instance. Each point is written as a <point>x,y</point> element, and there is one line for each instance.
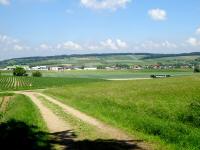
<point>193,41</point>
<point>105,4</point>
<point>69,45</point>
<point>11,47</point>
<point>121,44</point>
<point>169,44</point>
<point>158,14</point>
<point>18,47</point>
<point>5,2</point>
<point>198,31</point>
<point>44,46</point>
<point>109,44</point>
<point>9,43</point>
<point>113,45</point>
<point>157,45</point>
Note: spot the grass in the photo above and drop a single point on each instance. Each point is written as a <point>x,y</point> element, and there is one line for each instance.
<point>21,108</point>
<point>81,129</point>
<point>161,110</point>
<point>115,74</point>
<point>21,125</point>
<point>111,74</point>
<point>27,83</point>
<point>56,79</point>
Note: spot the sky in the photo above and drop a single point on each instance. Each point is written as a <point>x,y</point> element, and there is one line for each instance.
<point>55,27</point>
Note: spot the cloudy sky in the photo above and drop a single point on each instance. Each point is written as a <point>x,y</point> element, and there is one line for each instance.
<point>54,27</point>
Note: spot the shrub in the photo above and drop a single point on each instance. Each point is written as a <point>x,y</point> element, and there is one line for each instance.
<point>19,71</point>
<point>153,76</point>
<point>192,115</point>
<point>37,74</point>
<point>196,69</point>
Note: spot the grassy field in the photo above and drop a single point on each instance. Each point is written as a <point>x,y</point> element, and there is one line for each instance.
<point>164,111</point>
<point>116,74</point>
<point>27,83</point>
<point>82,129</point>
<point>56,79</point>
<point>21,125</point>
<point>110,74</point>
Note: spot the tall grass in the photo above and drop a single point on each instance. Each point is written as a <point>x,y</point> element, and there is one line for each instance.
<point>165,110</point>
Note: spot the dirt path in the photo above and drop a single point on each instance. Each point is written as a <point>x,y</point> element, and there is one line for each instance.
<point>54,123</point>
<point>57,125</point>
<point>115,133</point>
<point>109,130</point>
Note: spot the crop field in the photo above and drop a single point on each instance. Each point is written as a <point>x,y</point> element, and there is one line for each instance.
<point>20,83</point>
<point>164,111</point>
<point>115,74</point>
<point>111,74</point>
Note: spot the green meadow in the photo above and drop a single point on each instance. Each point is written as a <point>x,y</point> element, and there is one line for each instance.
<point>110,74</point>
<point>8,83</point>
<point>164,111</point>
<point>115,74</point>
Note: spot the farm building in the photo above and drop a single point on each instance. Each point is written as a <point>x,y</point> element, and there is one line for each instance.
<point>56,68</point>
<point>15,66</point>
<point>39,68</point>
<point>90,68</point>
<point>137,67</point>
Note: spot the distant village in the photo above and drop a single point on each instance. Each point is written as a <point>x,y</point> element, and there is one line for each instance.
<point>113,67</point>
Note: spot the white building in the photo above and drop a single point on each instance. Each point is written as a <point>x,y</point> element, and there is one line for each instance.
<point>39,68</point>
<point>56,68</point>
<point>90,68</point>
<point>15,66</point>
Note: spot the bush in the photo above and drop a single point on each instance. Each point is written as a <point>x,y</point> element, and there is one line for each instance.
<point>36,74</point>
<point>19,71</point>
<point>153,76</point>
<point>196,69</point>
<point>192,115</point>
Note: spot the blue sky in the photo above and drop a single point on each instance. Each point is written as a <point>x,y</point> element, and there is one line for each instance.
<point>53,27</point>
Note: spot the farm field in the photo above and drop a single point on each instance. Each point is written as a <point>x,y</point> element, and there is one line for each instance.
<point>110,74</point>
<point>116,74</point>
<point>27,83</point>
<point>164,111</point>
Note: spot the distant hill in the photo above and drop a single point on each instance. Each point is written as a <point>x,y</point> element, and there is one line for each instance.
<point>152,56</point>
<point>105,59</point>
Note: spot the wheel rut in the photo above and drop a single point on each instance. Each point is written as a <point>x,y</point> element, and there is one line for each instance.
<point>57,125</point>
